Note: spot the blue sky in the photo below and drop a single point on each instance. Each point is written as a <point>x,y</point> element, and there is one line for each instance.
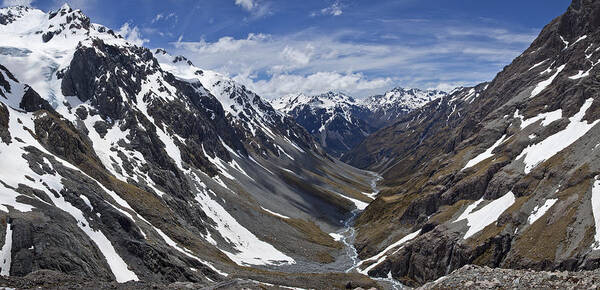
<point>355,46</point>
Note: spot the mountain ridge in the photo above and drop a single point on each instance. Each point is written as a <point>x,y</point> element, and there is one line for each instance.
<point>131,165</point>
<point>340,122</point>
<point>505,180</point>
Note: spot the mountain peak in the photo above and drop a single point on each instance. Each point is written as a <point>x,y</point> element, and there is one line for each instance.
<point>402,99</point>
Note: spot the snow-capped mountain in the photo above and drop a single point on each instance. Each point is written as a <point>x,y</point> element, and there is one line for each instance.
<point>336,120</point>
<point>398,102</point>
<point>341,122</point>
<point>123,164</point>
<point>504,174</point>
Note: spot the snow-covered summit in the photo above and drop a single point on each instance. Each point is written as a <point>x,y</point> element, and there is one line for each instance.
<point>242,105</point>
<point>408,99</point>
<point>344,120</point>
<point>328,100</point>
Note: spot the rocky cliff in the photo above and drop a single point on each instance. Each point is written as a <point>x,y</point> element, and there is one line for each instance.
<point>503,174</point>
<point>123,164</point>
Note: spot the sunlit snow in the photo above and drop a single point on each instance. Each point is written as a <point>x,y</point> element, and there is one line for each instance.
<point>544,150</point>
<point>481,218</point>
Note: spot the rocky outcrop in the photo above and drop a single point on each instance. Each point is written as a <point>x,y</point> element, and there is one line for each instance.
<point>474,277</point>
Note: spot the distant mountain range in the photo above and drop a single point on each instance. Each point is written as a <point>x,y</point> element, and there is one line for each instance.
<point>340,122</point>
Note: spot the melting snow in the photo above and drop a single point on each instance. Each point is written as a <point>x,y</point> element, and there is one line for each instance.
<point>580,74</point>
<point>469,209</point>
<point>542,85</point>
<point>539,211</point>
<point>360,205</point>
<point>275,214</point>
<point>185,251</point>
<point>381,256</point>
<point>336,236</point>
<point>249,249</point>
<point>486,154</point>
<point>540,152</point>
<point>548,118</point>
<point>537,64</point>
<point>580,39</point>
<point>6,252</point>
<point>478,220</point>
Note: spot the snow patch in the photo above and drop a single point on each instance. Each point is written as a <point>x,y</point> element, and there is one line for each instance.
<point>381,256</point>
<point>486,154</point>
<point>535,154</point>
<point>275,214</point>
<point>539,211</point>
<point>542,85</point>
<point>6,252</point>
<point>478,220</point>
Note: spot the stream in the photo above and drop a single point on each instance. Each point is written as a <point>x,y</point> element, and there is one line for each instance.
<point>349,235</point>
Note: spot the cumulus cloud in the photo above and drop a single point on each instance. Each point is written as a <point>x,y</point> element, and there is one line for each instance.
<point>246,4</point>
<point>132,34</point>
<point>17,3</point>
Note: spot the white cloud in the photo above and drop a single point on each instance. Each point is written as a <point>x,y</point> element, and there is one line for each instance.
<point>256,7</point>
<point>497,34</point>
<point>17,3</point>
<point>447,87</point>
<point>246,4</point>
<point>163,17</point>
<point>132,34</point>
<point>312,61</point>
<point>334,10</point>
<point>157,18</point>
<point>316,83</point>
<point>84,5</point>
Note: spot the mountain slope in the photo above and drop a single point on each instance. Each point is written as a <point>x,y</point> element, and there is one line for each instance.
<point>128,165</point>
<point>340,122</point>
<point>508,179</point>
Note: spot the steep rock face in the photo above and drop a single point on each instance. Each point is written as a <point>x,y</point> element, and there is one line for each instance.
<point>503,174</point>
<point>128,165</point>
<point>340,122</point>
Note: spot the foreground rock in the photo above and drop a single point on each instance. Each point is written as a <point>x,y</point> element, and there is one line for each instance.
<point>475,277</point>
<point>47,279</point>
